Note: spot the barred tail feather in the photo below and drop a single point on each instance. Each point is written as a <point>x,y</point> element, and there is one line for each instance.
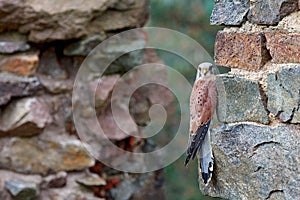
<point>196,142</point>
<point>206,161</point>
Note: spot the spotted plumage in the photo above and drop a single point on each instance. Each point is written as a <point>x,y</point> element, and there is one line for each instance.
<point>203,101</point>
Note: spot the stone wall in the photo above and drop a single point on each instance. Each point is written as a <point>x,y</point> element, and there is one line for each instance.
<point>257,149</point>
<point>42,44</point>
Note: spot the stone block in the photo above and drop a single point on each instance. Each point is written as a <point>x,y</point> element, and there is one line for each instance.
<point>38,156</point>
<point>241,50</point>
<point>25,117</point>
<point>227,12</point>
<point>13,42</point>
<point>12,47</point>
<point>255,162</point>
<point>283,94</point>
<point>63,20</point>
<point>284,47</point>
<point>20,189</point>
<point>271,12</point>
<point>15,86</point>
<point>24,65</point>
<point>239,100</point>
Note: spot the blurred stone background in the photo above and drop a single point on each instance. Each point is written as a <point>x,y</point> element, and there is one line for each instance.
<point>42,44</point>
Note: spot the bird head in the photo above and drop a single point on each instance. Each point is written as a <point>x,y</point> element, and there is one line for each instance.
<point>205,69</point>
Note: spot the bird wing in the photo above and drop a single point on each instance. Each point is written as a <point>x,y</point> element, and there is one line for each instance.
<point>202,104</point>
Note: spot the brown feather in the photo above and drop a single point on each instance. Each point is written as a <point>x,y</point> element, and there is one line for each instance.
<point>202,103</point>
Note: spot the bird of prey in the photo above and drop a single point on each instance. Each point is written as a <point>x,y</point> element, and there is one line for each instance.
<point>203,102</point>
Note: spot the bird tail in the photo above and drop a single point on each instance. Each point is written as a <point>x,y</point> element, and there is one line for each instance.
<point>196,142</point>
<point>206,161</point>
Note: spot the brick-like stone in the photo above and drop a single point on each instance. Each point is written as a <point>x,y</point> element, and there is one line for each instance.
<point>271,12</point>
<point>12,47</point>
<point>283,94</point>
<point>25,117</point>
<point>239,100</point>
<point>284,47</point>
<point>23,65</point>
<point>40,156</point>
<point>45,21</point>
<point>241,50</point>
<point>15,86</point>
<point>228,12</point>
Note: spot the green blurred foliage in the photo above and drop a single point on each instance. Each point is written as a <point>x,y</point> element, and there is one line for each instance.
<point>190,17</point>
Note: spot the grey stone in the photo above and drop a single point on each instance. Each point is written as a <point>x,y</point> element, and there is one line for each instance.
<point>228,12</point>
<point>72,190</point>
<point>7,176</point>
<point>147,187</point>
<point>12,42</point>
<point>84,46</point>
<point>22,190</point>
<point>271,12</point>
<point>284,94</point>
<point>13,47</point>
<point>55,86</point>
<point>255,162</point>
<point>239,100</point>
<point>114,55</point>
<point>15,86</point>
<point>25,117</point>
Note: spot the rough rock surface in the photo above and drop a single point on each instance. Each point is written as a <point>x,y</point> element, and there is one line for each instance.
<point>240,100</point>
<point>17,86</point>
<point>43,44</point>
<point>22,190</point>
<point>45,21</point>
<point>25,117</point>
<point>128,188</point>
<point>241,50</point>
<point>72,190</point>
<point>271,12</point>
<point>20,154</point>
<point>83,47</point>
<point>284,47</point>
<point>255,162</point>
<point>12,47</point>
<point>58,180</point>
<point>8,176</point>
<point>227,12</point>
<point>23,64</point>
<point>13,42</point>
<point>284,94</point>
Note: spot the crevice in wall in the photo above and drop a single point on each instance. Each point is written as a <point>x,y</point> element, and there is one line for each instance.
<point>272,192</point>
<point>263,96</point>
<point>264,143</point>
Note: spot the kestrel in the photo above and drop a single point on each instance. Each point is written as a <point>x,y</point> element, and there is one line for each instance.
<point>203,102</point>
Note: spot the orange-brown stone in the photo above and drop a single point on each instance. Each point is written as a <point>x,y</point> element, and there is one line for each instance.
<point>284,47</point>
<point>241,50</point>
<point>24,65</point>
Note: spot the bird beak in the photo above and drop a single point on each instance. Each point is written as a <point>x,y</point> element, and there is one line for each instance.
<point>204,71</point>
